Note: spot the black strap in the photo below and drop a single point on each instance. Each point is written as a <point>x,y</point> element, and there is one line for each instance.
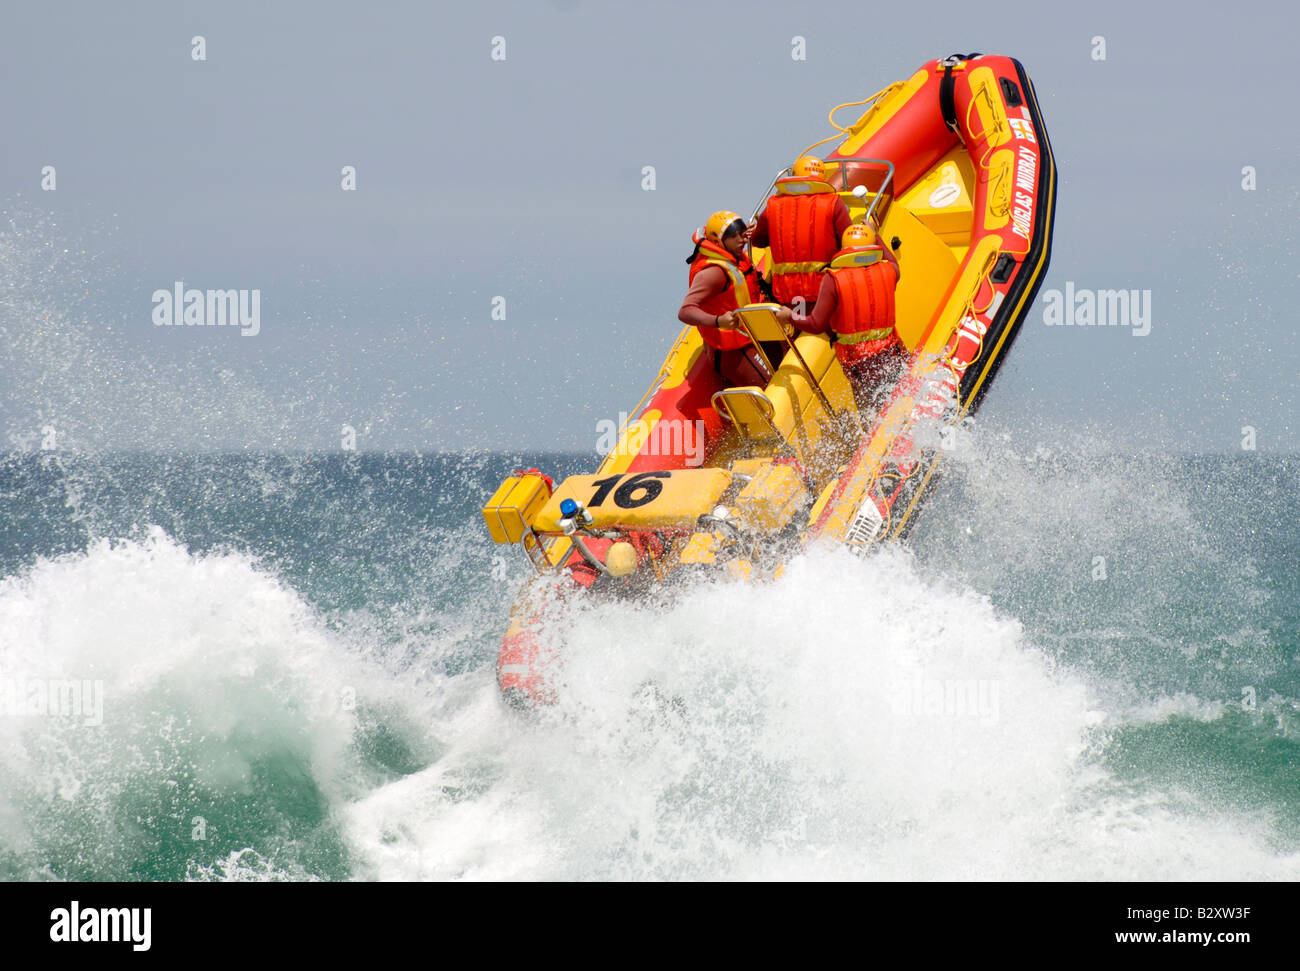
<point>948,99</point>
<point>775,351</point>
<point>948,89</point>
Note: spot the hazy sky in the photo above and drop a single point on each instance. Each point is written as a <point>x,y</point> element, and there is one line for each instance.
<point>522,178</point>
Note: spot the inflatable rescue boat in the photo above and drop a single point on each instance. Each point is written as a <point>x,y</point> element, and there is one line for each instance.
<point>952,167</point>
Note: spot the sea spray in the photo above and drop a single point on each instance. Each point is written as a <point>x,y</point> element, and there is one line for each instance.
<point>220,723</point>
<point>737,732</point>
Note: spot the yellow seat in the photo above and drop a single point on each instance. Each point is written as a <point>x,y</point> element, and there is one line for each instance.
<point>790,408</point>
<point>749,409</point>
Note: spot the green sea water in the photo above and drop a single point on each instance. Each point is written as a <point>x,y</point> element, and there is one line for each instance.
<point>295,656</point>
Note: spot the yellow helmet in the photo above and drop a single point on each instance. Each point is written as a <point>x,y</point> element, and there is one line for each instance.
<point>809,167</point>
<point>858,235</point>
<point>721,223</point>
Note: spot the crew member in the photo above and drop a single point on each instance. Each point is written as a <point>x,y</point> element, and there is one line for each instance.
<point>855,305</point>
<point>722,278</point>
<point>802,223</point>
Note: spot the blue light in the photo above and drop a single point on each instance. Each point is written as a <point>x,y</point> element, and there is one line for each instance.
<point>568,507</point>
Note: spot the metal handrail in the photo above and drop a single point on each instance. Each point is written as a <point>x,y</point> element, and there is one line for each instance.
<point>790,345</point>
<point>844,181</point>
<point>771,185</point>
<point>879,193</point>
<point>766,408</point>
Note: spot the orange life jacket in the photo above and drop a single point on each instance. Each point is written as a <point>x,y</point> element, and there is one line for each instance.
<point>863,321</point>
<point>801,230</point>
<point>741,291</point>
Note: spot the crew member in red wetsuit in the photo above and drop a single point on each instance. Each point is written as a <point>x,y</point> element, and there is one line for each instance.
<point>802,223</point>
<point>721,279</point>
<point>855,306</point>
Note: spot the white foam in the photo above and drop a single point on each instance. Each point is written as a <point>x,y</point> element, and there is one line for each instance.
<point>775,744</point>
<point>813,728</point>
<point>207,665</point>
<point>1179,705</point>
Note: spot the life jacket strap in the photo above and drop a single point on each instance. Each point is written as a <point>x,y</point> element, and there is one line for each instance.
<point>879,333</point>
<point>808,266</point>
